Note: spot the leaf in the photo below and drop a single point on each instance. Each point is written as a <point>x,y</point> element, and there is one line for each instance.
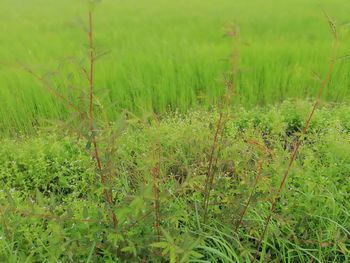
<point>91,252</point>
<point>85,212</point>
<point>70,76</point>
<point>331,23</point>
<point>216,252</point>
<point>343,248</point>
<point>100,54</point>
<point>196,254</point>
<point>99,215</point>
<point>39,197</point>
<point>69,212</point>
<point>347,23</point>
<point>127,249</point>
<point>52,201</point>
<point>159,244</point>
<point>79,21</point>
<point>172,255</point>
<point>167,236</point>
<point>88,145</point>
<point>343,57</point>
<point>63,181</point>
<point>10,199</point>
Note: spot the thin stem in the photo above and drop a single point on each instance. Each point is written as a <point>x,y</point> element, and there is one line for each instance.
<point>91,83</point>
<point>257,178</point>
<point>220,128</point>
<point>108,195</point>
<point>265,151</point>
<point>209,178</point>
<point>156,155</point>
<point>53,91</point>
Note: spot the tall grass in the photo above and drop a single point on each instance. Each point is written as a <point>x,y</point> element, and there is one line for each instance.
<point>160,53</point>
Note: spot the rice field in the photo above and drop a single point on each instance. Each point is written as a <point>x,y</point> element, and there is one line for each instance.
<point>167,55</point>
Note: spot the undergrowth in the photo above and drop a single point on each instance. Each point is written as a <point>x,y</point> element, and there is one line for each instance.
<point>52,208</point>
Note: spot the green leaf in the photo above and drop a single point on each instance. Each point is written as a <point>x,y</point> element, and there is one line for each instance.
<point>52,201</point>
<point>69,212</point>
<point>85,212</point>
<point>88,145</point>
<point>39,197</point>
<point>159,244</point>
<point>167,236</point>
<point>172,255</point>
<point>130,249</point>
<point>343,57</point>
<point>195,254</point>
<point>63,181</point>
<point>343,248</point>
<point>91,252</point>
<point>10,200</point>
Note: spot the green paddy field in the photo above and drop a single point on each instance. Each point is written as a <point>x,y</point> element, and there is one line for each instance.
<point>168,54</point>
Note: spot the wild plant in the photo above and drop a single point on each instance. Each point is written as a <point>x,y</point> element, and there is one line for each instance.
<point>230,82</point>
<point>84,123</point>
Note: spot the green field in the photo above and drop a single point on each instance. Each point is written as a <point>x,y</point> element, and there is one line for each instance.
<point>168,54</point>
<point>165,149</point>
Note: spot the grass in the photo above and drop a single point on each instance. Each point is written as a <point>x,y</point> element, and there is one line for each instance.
<point>166,55</point>
<point>49,189</point>
<point>167,156</point>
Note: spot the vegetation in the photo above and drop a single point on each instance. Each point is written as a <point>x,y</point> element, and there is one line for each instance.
<point>56,212</point>
<point>169,149</point>
<point>166,56</point>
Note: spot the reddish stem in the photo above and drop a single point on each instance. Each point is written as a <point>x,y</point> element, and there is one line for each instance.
<point>220,127</point>
<point>156,173</point>
<point>257,178</point>
<point>108,194</point>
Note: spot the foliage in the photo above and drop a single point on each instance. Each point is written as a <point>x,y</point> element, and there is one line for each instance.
<point>49,189</point>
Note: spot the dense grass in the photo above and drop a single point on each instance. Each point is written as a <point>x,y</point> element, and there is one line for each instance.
<point>49,184</point>
<point>166,54</point>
